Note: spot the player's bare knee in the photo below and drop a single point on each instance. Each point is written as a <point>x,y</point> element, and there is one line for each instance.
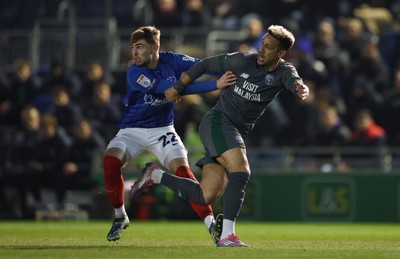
<point>211,197</point>
<point>209,200</point>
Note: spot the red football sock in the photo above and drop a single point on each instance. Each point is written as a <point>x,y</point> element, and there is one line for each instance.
<point>114,180</point>
<point>202,210</point>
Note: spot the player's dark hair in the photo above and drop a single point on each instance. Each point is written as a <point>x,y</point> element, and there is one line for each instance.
<point>148,33</point>
<point>285,37</point>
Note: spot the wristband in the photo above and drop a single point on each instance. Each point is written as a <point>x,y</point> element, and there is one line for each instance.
<point>179,86</point>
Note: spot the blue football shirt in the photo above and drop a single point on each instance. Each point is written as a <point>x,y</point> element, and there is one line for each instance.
<point>146,105</point>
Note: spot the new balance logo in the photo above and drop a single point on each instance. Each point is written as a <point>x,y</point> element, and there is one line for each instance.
<point>244,75</point>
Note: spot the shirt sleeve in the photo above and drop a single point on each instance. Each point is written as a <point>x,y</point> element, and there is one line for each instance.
<point>290,77</point>
<point>193,88</point>
<point>214,65</point>
<point>182,62</point>
<point>185,62</point>
<point>146,83</point>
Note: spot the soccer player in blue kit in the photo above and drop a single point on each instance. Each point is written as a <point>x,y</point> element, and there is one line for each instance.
<point>147,123</point>
<point>223,129</point>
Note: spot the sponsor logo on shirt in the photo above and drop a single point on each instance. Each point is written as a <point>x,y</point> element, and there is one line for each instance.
<point>244,75</point>
<point>144,81</point>
<point>248,91</point>
<point>269,79</point>
<point>151,100</point>
<point>187,58</point>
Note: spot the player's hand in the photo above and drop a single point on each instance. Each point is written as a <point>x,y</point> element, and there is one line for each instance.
<point>226,80</point>
<point>302,90</point>
<point>172,95</point>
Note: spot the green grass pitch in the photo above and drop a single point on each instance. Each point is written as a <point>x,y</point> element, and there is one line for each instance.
<point>189,239</point>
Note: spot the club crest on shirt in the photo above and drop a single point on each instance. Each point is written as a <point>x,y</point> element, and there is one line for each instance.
<point>171,79</point>
<point>239,139</point>
<point>269,79</point>
<point>144,81</point>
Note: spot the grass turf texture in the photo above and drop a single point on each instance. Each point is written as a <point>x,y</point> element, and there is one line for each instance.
<point>191,240</point>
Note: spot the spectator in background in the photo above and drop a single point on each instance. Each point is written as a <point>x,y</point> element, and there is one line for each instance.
<point>65,110</point>
<point>59,75</point>
<point>78,168</point>
<point>368,138</point>
<point>353,37</point>
<point>224,13</point>
<point>195,14</point>
<point>333,131</point>
<point>311,68</point>
<point>102,112</point>
<point>324,98</point>
<point>18,165</point>
<point>48,159</point>
<point>95,74</point>
<point>369,80</point>
<point>366,132</point>
<point>303,120</point>
<point>24,87</point>
<point>167,14</point>
<point>254,27</point>
<point>327,50</point>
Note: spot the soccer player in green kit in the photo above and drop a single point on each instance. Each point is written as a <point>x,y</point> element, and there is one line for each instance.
<point>223,129</point>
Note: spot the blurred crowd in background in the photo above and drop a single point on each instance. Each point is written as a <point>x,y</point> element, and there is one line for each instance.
<point>347,52</point>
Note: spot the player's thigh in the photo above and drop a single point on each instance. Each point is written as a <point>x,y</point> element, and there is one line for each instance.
<point>235,160</point>
<point>167,146</point>
<point>117,152</point>
<point>218,134</point>
<point>127,144</point>
<point>213,182</point>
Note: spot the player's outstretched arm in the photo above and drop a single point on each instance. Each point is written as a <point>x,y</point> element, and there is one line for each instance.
<point>227,79</point>
<point>210,64</point>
